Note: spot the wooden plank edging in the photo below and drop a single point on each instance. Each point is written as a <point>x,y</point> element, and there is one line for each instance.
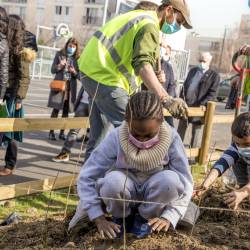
<point>36,186</point>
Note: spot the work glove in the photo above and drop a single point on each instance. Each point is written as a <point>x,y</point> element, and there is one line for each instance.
<point>176,107</point>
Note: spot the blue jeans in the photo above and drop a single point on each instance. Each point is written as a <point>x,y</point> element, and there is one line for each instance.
<point>107,110</point>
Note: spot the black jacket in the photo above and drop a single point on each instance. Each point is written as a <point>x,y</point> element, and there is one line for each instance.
<point>169,85</point>
<point>208,86</point>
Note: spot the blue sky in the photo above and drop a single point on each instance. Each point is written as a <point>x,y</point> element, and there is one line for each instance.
<point>210,17</point>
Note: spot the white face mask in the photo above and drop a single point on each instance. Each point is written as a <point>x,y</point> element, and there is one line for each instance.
<point>204,66</point>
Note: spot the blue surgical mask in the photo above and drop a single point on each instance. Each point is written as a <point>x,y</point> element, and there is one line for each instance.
<point>170,28</point>
<point>71,51</point>
<point>244,153</point>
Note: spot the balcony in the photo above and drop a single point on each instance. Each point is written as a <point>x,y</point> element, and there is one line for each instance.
<point>98,4</point>
<point>92,20</point>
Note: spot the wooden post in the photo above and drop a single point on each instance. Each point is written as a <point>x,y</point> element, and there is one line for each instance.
<point>207,132</point>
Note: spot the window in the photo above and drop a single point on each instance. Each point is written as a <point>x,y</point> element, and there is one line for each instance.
<point>91,16</point>
<point>67,10</point>
<point>40,15</point>
<point>15,1</point>
<point>58,10</point>
<point>22,12</point>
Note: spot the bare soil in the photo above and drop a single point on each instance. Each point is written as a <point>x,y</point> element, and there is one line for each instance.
<point>214,230</point>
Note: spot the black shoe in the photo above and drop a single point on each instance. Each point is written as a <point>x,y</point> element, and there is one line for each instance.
<point>84,137</point>
<point>52,136</point>
<point>62,136</point>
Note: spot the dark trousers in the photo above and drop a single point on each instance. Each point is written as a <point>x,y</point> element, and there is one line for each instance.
<point>82,110</point>
<point>65,113</point>
<point>11,154</point>
<point>196,129</point>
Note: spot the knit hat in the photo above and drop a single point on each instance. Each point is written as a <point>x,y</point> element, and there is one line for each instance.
<point>145,159</point>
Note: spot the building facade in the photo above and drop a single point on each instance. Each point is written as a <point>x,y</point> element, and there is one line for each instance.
<point>82,16</point>
<point>196,45</point>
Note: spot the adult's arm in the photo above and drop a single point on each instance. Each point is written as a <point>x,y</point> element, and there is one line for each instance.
<point>145,52</point>
<point>56,66</point>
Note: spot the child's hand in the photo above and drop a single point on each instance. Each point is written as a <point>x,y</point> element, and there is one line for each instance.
<point>234,198</point>
<point>199,191</point>
<point>107,228</point>
<point>159,224</point>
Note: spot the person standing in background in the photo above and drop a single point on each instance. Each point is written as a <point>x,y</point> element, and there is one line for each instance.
<point>199,88</point>
<point>169,84</point>
<point>65,68</point>
<point>20,58</point>
<point>4,53</point>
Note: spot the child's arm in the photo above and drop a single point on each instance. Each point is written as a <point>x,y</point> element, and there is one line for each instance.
<point>101,160</point>
<point>228,159</point>
<point>178,162</point>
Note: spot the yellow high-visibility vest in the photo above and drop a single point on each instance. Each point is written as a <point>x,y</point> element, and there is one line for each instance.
<point>108,55</point>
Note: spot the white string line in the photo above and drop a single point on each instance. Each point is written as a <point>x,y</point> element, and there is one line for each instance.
<point>147,202</point>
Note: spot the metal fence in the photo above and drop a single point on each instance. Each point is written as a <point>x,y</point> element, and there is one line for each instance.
<point>41,68</point>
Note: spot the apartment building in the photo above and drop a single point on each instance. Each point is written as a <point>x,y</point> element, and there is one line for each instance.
<point>82,16</point>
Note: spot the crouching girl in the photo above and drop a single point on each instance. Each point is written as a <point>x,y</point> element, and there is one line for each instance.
<point>142,160</point>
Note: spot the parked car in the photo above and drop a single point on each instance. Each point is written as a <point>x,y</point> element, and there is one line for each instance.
<point>224,88</point>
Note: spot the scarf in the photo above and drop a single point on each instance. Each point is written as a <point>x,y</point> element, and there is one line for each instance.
<point>145,159</point>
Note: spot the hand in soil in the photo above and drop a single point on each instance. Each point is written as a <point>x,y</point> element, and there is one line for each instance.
<point>199,191</point>
<point>159,224</point>
<point>234,198</point>
<point>107,228</point>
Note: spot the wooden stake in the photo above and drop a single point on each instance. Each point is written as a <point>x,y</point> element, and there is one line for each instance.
<point>207,132</point>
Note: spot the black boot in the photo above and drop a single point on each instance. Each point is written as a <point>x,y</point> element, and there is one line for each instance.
<point>62,135</point>
<point>52,135</point>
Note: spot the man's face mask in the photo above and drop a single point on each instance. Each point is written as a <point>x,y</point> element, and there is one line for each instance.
<point>204,66</point>
<point>170,28</point>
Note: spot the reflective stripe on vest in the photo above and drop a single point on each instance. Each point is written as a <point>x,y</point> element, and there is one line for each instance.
<point>108,44</point>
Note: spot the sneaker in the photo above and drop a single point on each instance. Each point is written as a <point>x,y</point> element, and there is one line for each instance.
<point>62,157</point>
<point>62,136</point>
<point>140,229</point>
<point>52,136</point>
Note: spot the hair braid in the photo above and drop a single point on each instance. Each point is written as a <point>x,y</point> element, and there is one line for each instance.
<point>144,105</point>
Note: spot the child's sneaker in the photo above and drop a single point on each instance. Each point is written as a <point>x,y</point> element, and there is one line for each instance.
<point>62,157</point>
<point>129,221</point>
<point>140,229</point>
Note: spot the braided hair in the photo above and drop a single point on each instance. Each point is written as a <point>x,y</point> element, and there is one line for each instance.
<point>144,105</point>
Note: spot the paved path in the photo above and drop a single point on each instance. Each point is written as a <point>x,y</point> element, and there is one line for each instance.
<point>36,152</point>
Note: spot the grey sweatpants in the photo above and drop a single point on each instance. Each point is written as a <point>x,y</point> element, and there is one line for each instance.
<point>163,187</point>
